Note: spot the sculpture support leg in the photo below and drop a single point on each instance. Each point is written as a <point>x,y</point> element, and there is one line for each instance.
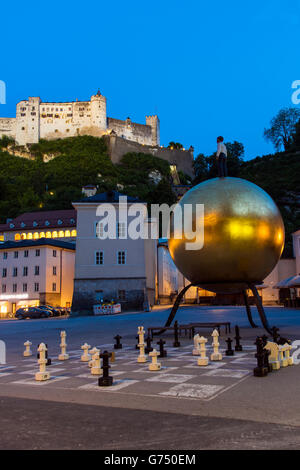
<point>248,309</point>
<point>260,308</point>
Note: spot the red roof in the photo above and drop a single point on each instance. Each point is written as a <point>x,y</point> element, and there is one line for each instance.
<point>42,219</point>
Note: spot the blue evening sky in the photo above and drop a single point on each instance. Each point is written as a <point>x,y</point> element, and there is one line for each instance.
<point>206,68</point>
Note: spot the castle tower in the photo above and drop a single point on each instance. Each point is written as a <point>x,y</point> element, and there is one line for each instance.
<point>98,111</point>
<point>153,121</point>
<point>28,121</point>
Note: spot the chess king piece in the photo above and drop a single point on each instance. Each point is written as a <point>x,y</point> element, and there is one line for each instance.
<point>154,366</point>
<point>141,358</point>
<point>85,356</point>
<point>176,343</point>
<point>63,345</point>
<point>274,354</point>
<point>196,350</point>
<point>162,351</point>
<point>27,352</point>
<point>229,351</point>
<point>238,346</point>
<point>216,355</point>
<point>261,370</point>
<point>203,359</point>
<point>42,375</point>
<point>118,344</point>
<point>96,366</point>
<point>105,380</point>
<point>148,348</point>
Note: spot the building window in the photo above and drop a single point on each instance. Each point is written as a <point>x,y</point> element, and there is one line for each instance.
<point>5,255</point>
<point>3,288</point>
<point>29,236</point>
<point>15,272</point>
<point>54,270</point>
<point>36,270</point>
<point>54,286</point>
<point>16,254</point>
<point>121,257</point>
<point>37,252</point>
<point>122,294</point>
<point>4,272</point>
<point>74,233</point>
<point>67,233</point>
<point>26,254</point>
<point>15,288</point>
<point>24,287</point>
<point>100,230</point>
<point>99,257</point>
<point>121,230</point>
<point>25,271</point>
<point>61,234</point>
<point>36,287</point>
<point>54,253</point>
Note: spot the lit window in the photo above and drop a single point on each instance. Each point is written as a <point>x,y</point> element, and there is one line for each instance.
<point>17,237</point>
<point>61,233</point>
<point>99,257</point>
<point>48,234</point>
<point>54,286</point>
<point>42,235</point>
<point>29,236</point>
<point>54,234</point>
<point>36,235</point>
<point>23,236</point>
<point>74,233</point>
<point>67,233</point>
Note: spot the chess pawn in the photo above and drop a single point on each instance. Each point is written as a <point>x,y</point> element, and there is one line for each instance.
<point>154,366</point>
<point>216,355</point>
<point>85,356</point>
<point>196,350</point>
<point>27,351</point>
<point>96,362</point>
<point>42,375</point>
<point>203,359</point>
<point>63,356</point>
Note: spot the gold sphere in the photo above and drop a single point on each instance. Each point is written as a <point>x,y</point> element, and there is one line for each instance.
<point>243,235</point>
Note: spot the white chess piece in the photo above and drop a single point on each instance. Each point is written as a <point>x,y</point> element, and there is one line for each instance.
<point>196,350</point>
<point>42,374</point>
<point>274,356</point>
<point>154,366</point>
<point>85,356</point>
<point>142,357</point>
<point>96,366</point>
<point>216,355</point>
<point>63,356</point>
<point>27,351</point>
<point>91,353</point>
<point>282,355</point>
<point>203,360</point>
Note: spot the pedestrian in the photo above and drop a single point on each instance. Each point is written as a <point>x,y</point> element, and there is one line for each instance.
<point>221,157</point>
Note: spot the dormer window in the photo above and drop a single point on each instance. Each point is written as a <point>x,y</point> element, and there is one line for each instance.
<point>35,224</point>
<point>23,225</point>
<point>47,222</point>
<point>11,225</point>
<point>59,222</point>
<point>72,221</point>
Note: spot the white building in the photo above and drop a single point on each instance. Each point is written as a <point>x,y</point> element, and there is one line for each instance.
<point>36,273</point>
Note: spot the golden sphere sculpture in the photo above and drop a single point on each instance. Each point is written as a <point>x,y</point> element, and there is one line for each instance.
<point>243,235</point>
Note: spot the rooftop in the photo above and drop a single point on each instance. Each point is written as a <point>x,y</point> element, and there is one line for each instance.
<point>41,219</point>
<point>41,242</point>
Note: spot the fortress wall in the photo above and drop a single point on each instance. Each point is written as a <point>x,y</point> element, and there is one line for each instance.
<point>183,159</point>
<point>129,130</point>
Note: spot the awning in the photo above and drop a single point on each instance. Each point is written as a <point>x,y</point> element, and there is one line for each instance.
<point>261,286</point>
<point>295,282</point>
<point>288,283</point>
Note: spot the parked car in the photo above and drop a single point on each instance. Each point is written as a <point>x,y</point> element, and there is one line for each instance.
<point>32,312</point>
<point>53,311</point>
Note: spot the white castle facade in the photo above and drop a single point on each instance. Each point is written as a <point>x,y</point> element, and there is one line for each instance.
<point>37,120</point>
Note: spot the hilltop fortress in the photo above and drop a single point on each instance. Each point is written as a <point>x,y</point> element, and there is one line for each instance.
<point>37,120</point>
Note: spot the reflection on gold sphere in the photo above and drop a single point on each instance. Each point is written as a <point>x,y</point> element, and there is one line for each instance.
<point>243,235</point>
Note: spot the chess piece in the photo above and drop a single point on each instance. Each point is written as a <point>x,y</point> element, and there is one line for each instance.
<point>275,334</point>
<point>63,356</point>
<point>238,346</point>
<point>48,363</point>
<point>148,348</point>
<point>267,354</point>
<point>290,360</point>
<point>154,366</point>
<point>27,351</point>
<point>162,351</point>
<point>42,375</point>
<point>176,343</point>
<point>113,356</point>
<point>273,357</point>
<point>91,353</point>
<point>282,356</point>
<point>260,370</point>
<point>216,355</point>
<point>203,359</point>
<point>196,350</point>
<point>85,356</point>
<point>96,362</point>
<point>118,344</point>
<point>141,358</point>
<point>229,351</point>
<point>105,380</point>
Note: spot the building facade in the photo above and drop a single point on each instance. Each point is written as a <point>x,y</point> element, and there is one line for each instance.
<point>37,120</point>
<point>36,272</point>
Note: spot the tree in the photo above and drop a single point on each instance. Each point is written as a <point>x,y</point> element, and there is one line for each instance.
<point>282,128</point>
<point>296,137</point>
<point>175,145</point>
<point>200,168</point>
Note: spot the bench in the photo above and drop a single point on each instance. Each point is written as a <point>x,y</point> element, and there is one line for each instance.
<point>190,328</point>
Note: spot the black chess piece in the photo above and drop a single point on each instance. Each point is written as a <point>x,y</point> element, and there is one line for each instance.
<point>105,380</point>
<point>261,370</point>
<point>48,363</point>
<point>118,344</point>
<point>275,334</point>
<point>176,343</point>
<point>238,346</point>
<point>148,347</point>
<point>229,351</point>
<point>162,351</point>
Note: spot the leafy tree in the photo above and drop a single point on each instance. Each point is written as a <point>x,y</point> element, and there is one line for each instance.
<point>282,128</point>
<point>201,168</point>
<point>175,145</point>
